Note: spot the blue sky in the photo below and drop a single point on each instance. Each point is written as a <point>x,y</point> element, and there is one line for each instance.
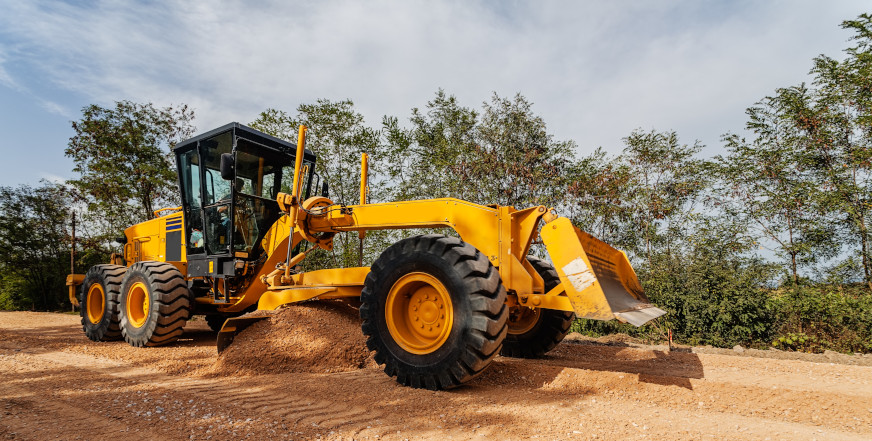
<point>594,70</point>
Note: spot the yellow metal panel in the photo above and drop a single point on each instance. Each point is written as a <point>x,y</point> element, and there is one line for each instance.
<point>276,234</point>
<point>561,303</point>
<point>74,281</point>
<point>332,277</point>
<point>147,240</point>
<point>476,224</point>
<point>502,234</point>
<point>581,285</point>
<point>325,284</point>
<point>273,299</point>
<point>364,174</point>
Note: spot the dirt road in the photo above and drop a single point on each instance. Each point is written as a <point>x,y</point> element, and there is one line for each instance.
<point>55,384</point>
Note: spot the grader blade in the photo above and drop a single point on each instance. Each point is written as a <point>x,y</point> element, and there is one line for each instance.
<point>233,326</point>
<point>598,278</point>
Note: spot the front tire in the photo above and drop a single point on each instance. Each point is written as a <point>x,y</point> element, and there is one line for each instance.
<point>155,304</point>
<point>99,302</point>
<point>534,332</point>
<point>433,310</point>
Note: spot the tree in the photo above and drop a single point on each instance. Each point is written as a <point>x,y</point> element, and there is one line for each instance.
<point>34,246</point>
<point>338,136</point>
<point>124,159</point>
<point>642,200</point>
<point>427,161</point>
<point>595,193</point>
<point>516,161</point>
<point>837,125</point>
<point>501,155</point>
<point>767,183</point>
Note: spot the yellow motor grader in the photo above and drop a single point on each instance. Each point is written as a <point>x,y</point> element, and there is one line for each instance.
<point>436,309</point>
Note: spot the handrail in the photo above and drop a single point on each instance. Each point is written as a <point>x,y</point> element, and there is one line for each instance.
<point>165,209</point>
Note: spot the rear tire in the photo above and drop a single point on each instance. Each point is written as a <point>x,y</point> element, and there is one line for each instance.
<point>534,332</point>
<point>98,302</point>
<point>433,310</point>
<point>155,304</point>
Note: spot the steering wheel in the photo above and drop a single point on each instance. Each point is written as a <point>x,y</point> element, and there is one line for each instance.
<point>245,223</point>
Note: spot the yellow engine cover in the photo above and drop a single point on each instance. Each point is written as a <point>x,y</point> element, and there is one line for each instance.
<point>160,239</point>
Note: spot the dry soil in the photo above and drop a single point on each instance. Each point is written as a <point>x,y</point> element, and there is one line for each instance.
<point>306,374</point>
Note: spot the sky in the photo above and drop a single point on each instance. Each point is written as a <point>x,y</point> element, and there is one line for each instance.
<point>594,71</point>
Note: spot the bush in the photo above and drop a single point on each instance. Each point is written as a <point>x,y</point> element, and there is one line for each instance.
<point>709,298</point>
<point>818,318</point>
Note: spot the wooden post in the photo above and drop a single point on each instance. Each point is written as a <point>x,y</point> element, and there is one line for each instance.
<point>73,251</point>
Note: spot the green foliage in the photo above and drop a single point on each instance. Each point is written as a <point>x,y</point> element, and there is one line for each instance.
<point>123,156</point>
<point>515,160</point>
<point>836,134</point>
<point>818,318</point>
<point>338,136</point>
<point>34,246</point>
<point>427,160</point>
<point>766,183</point>
<point>501,155</point>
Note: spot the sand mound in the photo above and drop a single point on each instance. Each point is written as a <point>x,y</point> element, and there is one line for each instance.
<point>312,337</point>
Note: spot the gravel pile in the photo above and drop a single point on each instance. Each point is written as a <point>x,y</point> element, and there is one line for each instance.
<point>314,337</point>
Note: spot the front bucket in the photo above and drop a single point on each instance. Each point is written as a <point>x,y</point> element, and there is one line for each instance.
<point>598,278</point>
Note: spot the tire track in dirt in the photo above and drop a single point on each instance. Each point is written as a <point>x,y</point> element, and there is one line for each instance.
<point>28,413</point>
<point>580,391</point>
<point>793,402</point>
<point>293,409</point>
<point>54,419</point>
<point>686,397</point>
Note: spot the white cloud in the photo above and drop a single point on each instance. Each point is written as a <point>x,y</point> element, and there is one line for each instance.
<point>55,108</point>
<point>595,71</point>
<point>55,179</point>
<point>6,79</point>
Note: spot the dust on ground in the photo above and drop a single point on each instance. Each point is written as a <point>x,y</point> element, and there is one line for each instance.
<point>306,374</point>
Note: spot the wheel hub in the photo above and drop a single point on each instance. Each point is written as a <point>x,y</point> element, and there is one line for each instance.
<point>95,304</point>
<point>137,304</point>
<point>523,319</point>
<point>418,313</point>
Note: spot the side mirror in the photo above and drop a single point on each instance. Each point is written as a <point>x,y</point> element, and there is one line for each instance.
<point>324,190</point>
<point>227,166</point>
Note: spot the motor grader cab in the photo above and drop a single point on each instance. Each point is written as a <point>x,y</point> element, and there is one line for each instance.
<point>435,309</point>
<point>229,179</point>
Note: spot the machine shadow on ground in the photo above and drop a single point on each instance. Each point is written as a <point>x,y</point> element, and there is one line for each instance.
<point>664,368</point>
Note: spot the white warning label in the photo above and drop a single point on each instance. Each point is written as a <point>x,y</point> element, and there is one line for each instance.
<point>579,274</point>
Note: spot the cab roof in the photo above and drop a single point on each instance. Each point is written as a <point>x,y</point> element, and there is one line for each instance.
<point>245,132</point>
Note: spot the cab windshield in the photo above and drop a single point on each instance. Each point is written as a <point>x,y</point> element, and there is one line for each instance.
<point>238,212</point>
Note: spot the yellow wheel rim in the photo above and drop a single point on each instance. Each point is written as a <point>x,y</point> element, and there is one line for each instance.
<point>137,304</point>
<point>523,319</point>
<point>419,314</point>
<point>95,304</point>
